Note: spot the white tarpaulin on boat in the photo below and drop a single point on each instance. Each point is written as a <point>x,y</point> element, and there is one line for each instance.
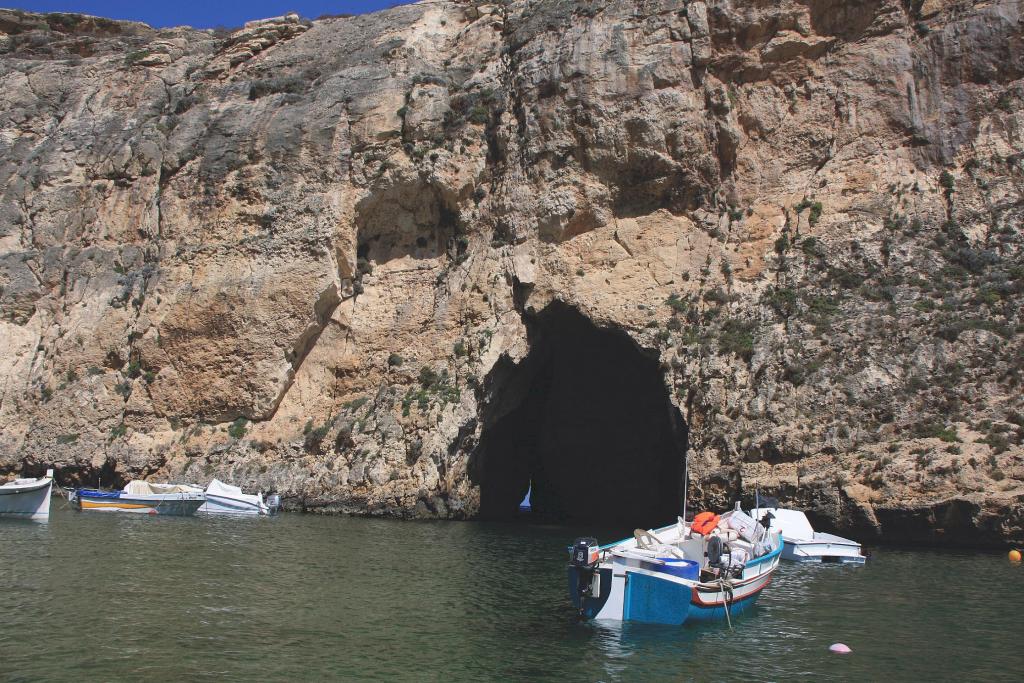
<point>145,488</point>
<point>217,486</point>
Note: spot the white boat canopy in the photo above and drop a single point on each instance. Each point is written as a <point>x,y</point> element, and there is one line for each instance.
<point>792,523</point>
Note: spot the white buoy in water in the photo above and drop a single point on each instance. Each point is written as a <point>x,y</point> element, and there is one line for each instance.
<point>840,649</point>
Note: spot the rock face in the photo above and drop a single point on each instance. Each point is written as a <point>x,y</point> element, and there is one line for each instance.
<point>342,258</point>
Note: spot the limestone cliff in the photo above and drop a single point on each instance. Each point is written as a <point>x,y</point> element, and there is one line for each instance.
<point>353,259</point>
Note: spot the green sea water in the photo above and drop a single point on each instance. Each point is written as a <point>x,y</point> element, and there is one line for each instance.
<point>117,597</point>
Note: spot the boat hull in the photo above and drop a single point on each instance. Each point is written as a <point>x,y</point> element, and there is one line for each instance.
<point>650,599</point>
<point>709,603</point>
<point>175,504</point>
<point>226,505</point>
<point>817,552</point>
<point>26,501</point>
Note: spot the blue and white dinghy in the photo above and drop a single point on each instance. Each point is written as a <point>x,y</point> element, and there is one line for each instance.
<point>710,570</point>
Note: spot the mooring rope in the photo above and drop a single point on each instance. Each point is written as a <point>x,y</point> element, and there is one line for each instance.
<point>725,586</point>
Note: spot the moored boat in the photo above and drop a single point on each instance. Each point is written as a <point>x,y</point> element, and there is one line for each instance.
<point>710,570</point>
<point>143,497</point>
<point>804,544</point>
<point>27,498</point>
<point>225,499</point>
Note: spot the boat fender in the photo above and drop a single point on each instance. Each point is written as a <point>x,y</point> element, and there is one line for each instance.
<point>705,523</point>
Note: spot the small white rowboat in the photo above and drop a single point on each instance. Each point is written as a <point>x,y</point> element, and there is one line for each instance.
<point>27,498</point>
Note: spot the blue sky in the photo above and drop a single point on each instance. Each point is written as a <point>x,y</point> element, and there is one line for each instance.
<point>200,13</point>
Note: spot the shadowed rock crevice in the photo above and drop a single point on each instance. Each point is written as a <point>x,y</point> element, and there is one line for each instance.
<point>109,474</point>
<point>408,219</point>
<point>585,418</point>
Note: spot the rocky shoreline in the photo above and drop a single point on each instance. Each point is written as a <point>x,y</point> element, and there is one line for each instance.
<point>395,264</point>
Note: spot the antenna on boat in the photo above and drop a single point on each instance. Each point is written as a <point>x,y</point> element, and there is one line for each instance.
<point>686,487</point>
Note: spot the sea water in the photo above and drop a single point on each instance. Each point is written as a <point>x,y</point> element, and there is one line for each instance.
<point>120,597</point>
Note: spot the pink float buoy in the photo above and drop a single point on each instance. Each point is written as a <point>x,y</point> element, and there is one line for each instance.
<point>839,649</point>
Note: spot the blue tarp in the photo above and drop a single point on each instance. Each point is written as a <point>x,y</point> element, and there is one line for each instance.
<point>93,493</point>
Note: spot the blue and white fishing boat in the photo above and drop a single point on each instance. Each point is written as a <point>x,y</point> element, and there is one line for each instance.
<point>710,570</point>
<point>142,497</point>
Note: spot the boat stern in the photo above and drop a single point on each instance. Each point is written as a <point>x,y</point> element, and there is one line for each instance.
<point>272,503</point>
<point>589,584</point>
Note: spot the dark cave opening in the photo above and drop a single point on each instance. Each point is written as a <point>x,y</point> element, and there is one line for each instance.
<point>586,419</point>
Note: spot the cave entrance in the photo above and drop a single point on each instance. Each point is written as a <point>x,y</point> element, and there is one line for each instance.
<point>586,420</point>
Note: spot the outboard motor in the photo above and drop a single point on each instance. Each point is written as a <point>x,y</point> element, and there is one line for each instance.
<point>273,502</point>
<point>584,554</point>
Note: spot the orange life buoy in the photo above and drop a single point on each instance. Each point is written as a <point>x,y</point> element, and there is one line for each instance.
<point>705,523</point>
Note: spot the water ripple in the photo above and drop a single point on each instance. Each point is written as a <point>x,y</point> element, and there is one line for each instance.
<point>118,597</point>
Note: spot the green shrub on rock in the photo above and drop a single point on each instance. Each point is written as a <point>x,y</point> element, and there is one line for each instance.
<point>737,337</point>
<point>236,430</point>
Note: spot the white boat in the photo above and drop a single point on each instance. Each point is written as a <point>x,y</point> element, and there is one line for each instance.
<point>225,499</point>
<point>143,497</point>
<point>27,498</point>
<point>804,544</point>
<point>710,570</point>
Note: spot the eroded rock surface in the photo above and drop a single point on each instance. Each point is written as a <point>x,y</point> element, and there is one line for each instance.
<point>309,256</point>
